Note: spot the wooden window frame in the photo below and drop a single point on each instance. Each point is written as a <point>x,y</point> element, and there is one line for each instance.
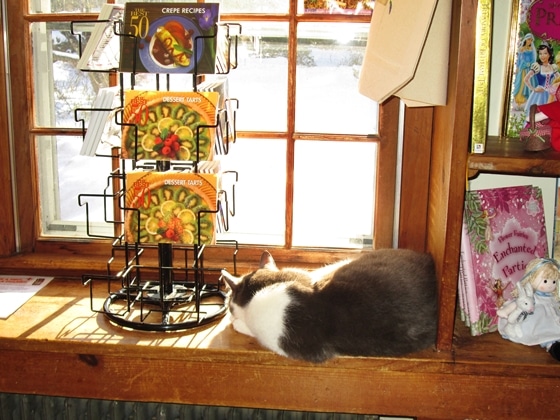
<point>19,222</point>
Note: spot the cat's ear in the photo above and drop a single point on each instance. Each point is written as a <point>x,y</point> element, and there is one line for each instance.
<point>230,279</point>
<point>267,261</point>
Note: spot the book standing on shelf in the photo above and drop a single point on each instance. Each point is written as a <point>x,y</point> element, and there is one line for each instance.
<point>533,73</point>
<point>503,229</point>
<point>102,51</point>
<point>556,235</point>
<point>169,37</point>
<point>481,76</point>
<point>470,314</point>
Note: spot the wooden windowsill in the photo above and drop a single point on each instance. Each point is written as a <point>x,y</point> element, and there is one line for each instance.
<point>55,345</point>
<point>69,258</point>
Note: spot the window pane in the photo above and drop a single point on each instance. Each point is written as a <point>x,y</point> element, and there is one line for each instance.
<point>65,174</point>
<point>334,184</point>
<point>260,81</point>
<point>328,67</point>
<point>59,87</point>
<point>73,6</point>
<point>226,6</point>
<point>253,6</point>
<point>260,194</point>
<point>329,56</point>
<point>349,7</point>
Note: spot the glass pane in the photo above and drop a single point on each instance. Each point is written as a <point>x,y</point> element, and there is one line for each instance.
<point>348,7</point>
<point>226,6</point>
<point>253,6</point>
<point>63,175</point>
<point>260,194</point>
<point>59,87</point>
<point>334,184</point>
<point>260,81</point>
<point>72,6</point>
<point>329,59</point>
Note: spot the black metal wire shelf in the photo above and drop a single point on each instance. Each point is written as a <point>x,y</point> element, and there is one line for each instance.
<point>165,296</point>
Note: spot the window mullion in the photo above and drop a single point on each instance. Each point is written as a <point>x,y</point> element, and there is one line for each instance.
<point>8,239</point>
<point>291,109</point>
<point>24,197</point>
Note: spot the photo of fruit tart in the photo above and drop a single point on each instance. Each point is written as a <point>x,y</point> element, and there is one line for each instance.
<point>169,125</point>
<point>171,207</point>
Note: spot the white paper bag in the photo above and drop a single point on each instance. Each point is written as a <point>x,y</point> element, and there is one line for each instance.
<point>407,52</point>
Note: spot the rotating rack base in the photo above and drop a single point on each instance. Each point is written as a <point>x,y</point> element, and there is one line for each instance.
<point>147,309</point>
<point>159,298</point>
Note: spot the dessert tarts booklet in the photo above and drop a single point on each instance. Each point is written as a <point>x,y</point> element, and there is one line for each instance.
<point>164,125</point>
<point>171,207</point>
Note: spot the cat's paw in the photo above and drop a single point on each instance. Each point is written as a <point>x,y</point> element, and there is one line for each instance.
<point>240,326</point>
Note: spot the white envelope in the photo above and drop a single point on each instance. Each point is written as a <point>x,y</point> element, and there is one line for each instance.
<point>407,52</point>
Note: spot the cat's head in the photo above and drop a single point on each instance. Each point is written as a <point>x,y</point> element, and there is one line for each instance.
<point>244,287</point>
<point>266,263</point>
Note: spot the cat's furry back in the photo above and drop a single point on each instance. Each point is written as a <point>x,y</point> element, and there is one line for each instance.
<point>383,303</point>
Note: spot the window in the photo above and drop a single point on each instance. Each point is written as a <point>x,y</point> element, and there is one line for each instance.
<point>309,151</point>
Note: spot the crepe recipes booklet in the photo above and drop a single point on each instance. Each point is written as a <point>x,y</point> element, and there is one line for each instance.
<point>169,37</point>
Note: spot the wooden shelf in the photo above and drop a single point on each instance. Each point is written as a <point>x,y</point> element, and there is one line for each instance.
<point>507,156</point>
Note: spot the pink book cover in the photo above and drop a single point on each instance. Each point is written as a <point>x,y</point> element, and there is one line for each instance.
<point>461,296</point>
<point>467,293</point>
<point>506,229</point>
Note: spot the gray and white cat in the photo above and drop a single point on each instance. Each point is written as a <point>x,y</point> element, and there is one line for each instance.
<point>382,303</point>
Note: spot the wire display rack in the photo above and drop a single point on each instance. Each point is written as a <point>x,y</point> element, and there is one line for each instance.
<point>162,286</point>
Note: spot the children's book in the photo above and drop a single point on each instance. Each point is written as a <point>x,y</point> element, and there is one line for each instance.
<point>171,207</point>
<point>165,125</point>
<point>169,37</point>
<point>481,86</point>
<point>102,51</point>
<point>556,235</point>
<point>467,294</point>
<point>503,229</point>
<point>533,74</point>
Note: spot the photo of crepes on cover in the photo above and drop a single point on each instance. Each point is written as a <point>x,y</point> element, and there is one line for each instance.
<point>169,37</point>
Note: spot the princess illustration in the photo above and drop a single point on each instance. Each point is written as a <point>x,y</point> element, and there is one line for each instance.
<point>526,56</point>
<point>540,78</point>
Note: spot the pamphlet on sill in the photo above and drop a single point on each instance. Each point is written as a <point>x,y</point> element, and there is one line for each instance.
<point>16,290</point>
